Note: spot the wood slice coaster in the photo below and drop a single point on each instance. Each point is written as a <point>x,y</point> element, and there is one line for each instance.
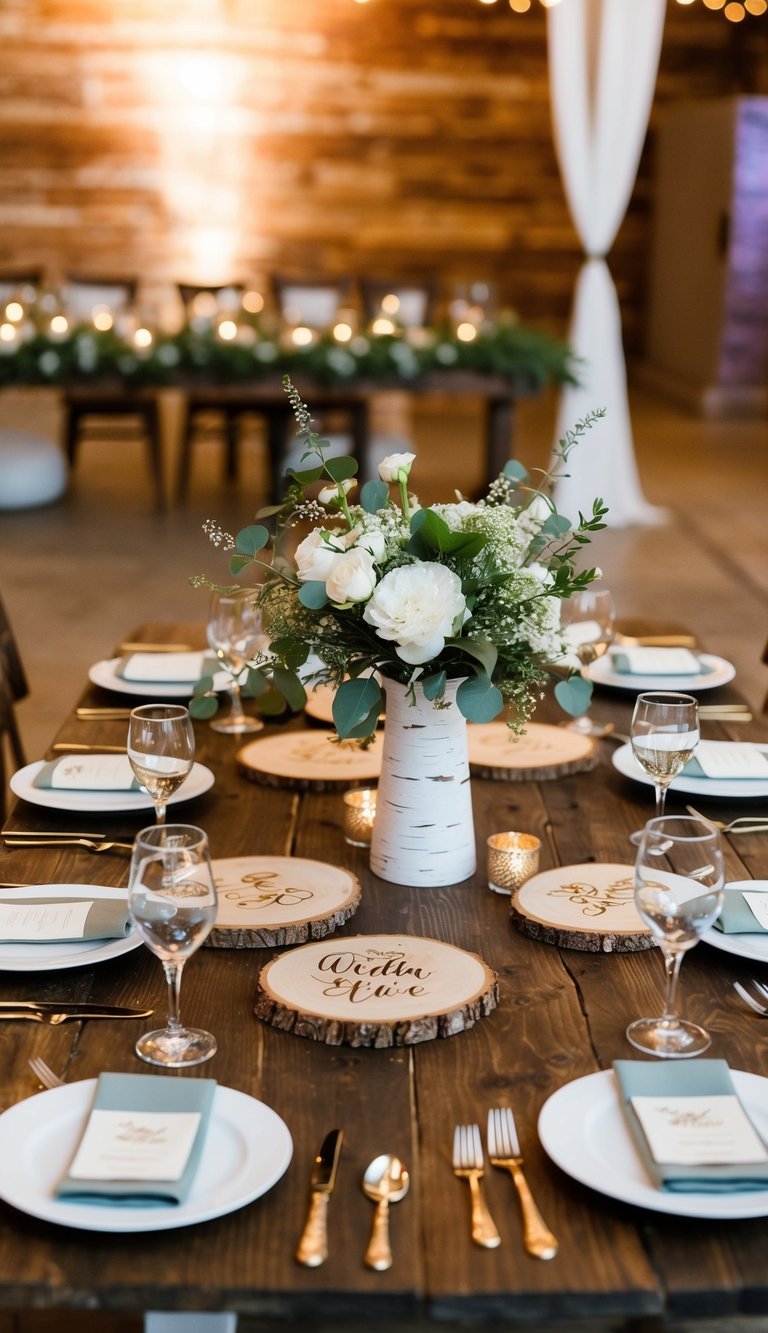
<point>268,901</point>
<point>376,990</point>
<point>589,907</point>
<point>542,752</point>
<point>309,761</point>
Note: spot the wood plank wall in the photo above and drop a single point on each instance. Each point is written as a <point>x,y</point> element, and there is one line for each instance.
<point>212,140</point>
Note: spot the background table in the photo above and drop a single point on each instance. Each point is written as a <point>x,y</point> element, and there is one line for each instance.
<point>561,1015</point>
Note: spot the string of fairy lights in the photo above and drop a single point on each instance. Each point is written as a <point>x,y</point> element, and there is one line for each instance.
<point>734,10</point>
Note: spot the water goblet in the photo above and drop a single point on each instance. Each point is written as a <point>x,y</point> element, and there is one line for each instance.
<point>679,880</point>
<point>235,633</point>
<point>172,900</point>
<point>665,733</point>
<point>161,750</point>
<point>588,619</point>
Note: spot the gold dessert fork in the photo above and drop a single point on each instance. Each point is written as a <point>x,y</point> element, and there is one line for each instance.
<point>468,1164</point>
<point>504,1152</point>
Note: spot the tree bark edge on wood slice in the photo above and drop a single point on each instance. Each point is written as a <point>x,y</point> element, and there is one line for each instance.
<point>542,752</point>
<point>589,907</point>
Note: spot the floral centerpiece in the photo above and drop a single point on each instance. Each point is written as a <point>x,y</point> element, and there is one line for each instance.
<point>454,606</point>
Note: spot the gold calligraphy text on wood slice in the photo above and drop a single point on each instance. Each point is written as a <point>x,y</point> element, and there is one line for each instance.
<point>542,752</point>
<point>309,761</point>
<point>589,907</point>
<point>376,990</point>
<point>269,901</point>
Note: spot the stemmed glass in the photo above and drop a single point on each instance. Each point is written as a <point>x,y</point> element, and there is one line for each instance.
<point>588,619</point>
<point>161,750</point>
<point>665,733</point>
<point>679,879</point>
<point>172,900</point>
<point>235,633</point>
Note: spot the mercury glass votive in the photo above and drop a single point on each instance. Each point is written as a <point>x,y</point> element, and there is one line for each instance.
<point>359,814</point>
<point>512,859</point>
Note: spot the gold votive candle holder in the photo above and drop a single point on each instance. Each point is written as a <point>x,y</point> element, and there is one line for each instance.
<point>512,859</point>
<point>359,814</point>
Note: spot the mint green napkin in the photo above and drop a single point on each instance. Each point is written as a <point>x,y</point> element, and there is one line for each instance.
<point>107,919</point>
<point>692,1078</point>
<point>189,668</point>
<point>134,1093</point>
<point>622,663</point>
<point>737,917</point>
<point>115,774</point>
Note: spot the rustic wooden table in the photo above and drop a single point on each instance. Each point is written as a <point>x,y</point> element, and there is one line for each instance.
<point>561,1015</point>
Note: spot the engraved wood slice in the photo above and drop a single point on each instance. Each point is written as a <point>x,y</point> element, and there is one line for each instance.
<point>309,761</point>
<point>268,901</point>
<point>376,990</point>
<point>589,907</point>
<point>542,752</point>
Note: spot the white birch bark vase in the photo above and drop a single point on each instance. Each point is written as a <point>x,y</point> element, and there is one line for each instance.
<point>423,834</point>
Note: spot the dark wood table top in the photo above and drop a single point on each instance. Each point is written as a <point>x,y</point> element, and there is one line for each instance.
<point>561,1015</point>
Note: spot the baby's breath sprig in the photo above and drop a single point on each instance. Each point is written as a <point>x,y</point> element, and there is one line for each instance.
<point>217,536</point>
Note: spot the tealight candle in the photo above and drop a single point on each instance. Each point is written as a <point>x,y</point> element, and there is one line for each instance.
<point>512,859</point>
<point>359,814</point>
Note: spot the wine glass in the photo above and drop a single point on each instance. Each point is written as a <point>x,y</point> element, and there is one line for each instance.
<point>679,879</point>
<point>172,900</point>
<point>235,633</point>
<point>588,619</point>
<point>161,750</point>
<point>665,733</point>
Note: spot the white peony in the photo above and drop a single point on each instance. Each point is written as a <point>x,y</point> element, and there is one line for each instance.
<point>374,542</point>
<point>330,493</point>
<point>352,578</point>
<point>395,467</point>
<point>416,606</point>
<point>315,556</point>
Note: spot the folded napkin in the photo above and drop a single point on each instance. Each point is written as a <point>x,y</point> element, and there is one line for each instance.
<point>657,662</point>
<point>94,772</point>
<point>166,668</point>
<point>709,1145</point>
<point>722,760</point>
<point>738,915</point>
<point>46,920</point>
<point>142,1142</point>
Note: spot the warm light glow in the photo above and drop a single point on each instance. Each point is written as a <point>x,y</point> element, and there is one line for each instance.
<point>466,333</point>
<point>685,2</point>
<point>487,2</point>
<point>302,336</point>
<point>203,305</point>
<point>227,330</point>
<point>253,302</point>
<point>142,338</point>
<point>735,12</point>
<point>14,311</point>
<point>550,4</point>
<point>714,4</point>
<point>390,304</point>
<point>102,318</point>
<point>342,332</point>
<point>7,333</point>
<point>382,326</point>
<point>756,7</point>
<point>59,324</point>
<point>520,6</point>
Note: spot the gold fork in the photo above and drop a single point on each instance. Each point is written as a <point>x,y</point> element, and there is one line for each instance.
<point>742,824</point>
<point>44,1074</point>
<point>468,1164</point>
<point>504,1152</point>
<point>91,844</point>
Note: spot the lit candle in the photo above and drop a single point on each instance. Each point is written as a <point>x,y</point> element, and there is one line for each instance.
<point>512,859</point>
<point>359,814</point>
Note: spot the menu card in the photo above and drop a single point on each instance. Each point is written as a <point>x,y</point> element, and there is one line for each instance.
<point>166,668</point>
<point>690,1128</point>
<point>93,772</point>
<point>47,920</point>
<point>142,1142</point>
<point>657,662</point>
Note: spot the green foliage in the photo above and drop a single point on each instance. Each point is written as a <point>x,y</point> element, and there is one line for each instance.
<point>573,695</point>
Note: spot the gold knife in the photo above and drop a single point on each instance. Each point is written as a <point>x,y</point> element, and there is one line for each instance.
<point>78,747</point>
<point>62,1011</point>
<point>156,648</point>
<point>89,714</point>
<point>312,1249</point>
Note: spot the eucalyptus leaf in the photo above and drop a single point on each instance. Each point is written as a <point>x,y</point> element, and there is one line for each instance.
<point>374,496</point>
<point>479,700</point>
<point>340,469</point>
<point>353,704</point>
<point>434,686</point>
<point>313,595</point>
<point>514,471</point>
<point>255,684</point>
<point>238,563</point>
<point>573,695</point>
<point>291,688</point>
<point>364,728</point>
<point>252,539</point>
<point>308,474</point>
<point>482,650</point>
<point>556,525</point>
<point>203,686</point>
<point>272,703</point>
<point>204,706</point>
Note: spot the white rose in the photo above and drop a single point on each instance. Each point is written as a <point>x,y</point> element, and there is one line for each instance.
<point>330,493</point>
<point>374,542</point>
<point>395,467</point>
<point>352,578</point>
<point>417,606</point>
<point>315,556</point>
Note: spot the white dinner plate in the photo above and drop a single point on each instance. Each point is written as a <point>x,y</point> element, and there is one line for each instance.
<point>582,1128</point>
<point>28,957</point>
<point>97,802</point>
<point>105,674</point>
<point>247,1150</point>
<point>624,760</point>
<point>601,672</point>
<point>754,947</point>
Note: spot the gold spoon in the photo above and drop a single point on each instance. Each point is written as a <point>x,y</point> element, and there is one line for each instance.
<point>385,1181</point>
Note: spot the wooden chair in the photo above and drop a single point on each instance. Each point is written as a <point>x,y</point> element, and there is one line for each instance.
<point>109,412</point>
<point>13,686</point>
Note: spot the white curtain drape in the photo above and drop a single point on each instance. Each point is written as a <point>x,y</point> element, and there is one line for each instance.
<point>603,60</point>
